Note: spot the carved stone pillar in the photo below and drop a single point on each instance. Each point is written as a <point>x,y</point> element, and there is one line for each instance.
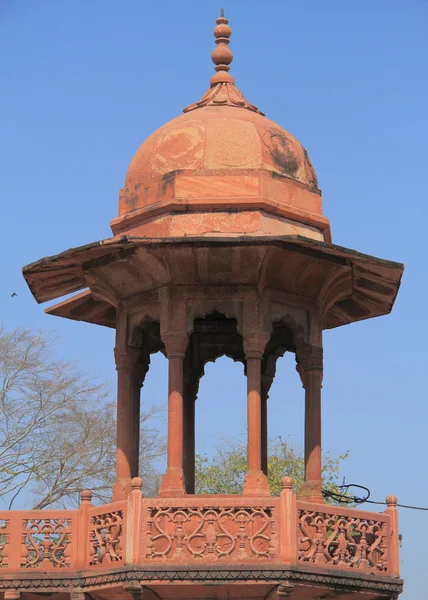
<point>256,483</point>
<point>310,369</point>
<point>128,420</point>
<point>173,480</point>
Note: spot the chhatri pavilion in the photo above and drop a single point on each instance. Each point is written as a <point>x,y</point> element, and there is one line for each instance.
<point>220,248</point>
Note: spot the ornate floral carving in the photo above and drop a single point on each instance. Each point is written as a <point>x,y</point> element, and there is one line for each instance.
<point>46,543</point>
<point>4,543</point>
<point>106,531</point>
<point>211,533</point>
<point>356,542</point>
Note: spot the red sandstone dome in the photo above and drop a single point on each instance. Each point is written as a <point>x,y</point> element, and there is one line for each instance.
<point>222,168</point>
<point>213,141</point>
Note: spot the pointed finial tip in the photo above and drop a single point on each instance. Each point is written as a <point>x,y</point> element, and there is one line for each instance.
<point>221,12</point>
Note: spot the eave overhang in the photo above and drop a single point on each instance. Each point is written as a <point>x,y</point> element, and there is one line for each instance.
<point>351,286</point>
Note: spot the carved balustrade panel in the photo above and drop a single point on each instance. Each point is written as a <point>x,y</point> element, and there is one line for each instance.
<point>355,539</point>
<point>106,538</point>
<point>211,533</point>
<point>4,543</point>
<point>46,543</point>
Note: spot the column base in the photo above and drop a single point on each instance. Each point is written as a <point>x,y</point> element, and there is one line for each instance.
<point>121,489</point>
<point>311,491</point>
<point>256,484</point>
<point>172,483</point>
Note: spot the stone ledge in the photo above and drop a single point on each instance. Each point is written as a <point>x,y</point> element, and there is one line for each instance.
<point>86,580</point>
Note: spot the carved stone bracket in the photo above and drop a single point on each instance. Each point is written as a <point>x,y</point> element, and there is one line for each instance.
<point>281,591</point>
<point>135,588</point>
<point>12,595</point>
<point>285,590</point>
<point>78,595</point>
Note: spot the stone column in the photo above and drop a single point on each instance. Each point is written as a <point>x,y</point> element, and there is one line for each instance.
<point>128,420</point>
<point>310,369</point>
<point>173,480</point>
<point>256,483</point>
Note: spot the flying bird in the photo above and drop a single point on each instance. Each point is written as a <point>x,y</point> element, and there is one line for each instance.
<point>14,294</point>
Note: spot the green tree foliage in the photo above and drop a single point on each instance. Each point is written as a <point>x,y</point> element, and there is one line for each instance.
<point>225,472</point>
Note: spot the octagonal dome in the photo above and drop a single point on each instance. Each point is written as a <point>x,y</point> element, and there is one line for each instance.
<point>221,168</point>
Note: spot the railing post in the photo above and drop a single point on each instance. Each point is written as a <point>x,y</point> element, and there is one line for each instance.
<point>133,525</point>
<point>82,542</point>
<point>13,549</point>
<point>394,545</point>
<point>287,522</point>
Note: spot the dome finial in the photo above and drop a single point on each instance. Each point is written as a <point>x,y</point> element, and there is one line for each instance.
<point>222,91</point>
<point>222,56</point>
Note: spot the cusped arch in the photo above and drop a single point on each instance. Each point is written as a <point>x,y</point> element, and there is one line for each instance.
<point>231,309</point>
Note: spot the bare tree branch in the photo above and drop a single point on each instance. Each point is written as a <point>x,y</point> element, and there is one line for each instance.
<point>58,426</point>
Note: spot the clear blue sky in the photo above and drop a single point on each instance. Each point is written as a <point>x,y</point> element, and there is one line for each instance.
<point>84,83</point>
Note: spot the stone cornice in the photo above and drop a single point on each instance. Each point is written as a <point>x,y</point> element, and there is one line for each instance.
<point>87,581</point>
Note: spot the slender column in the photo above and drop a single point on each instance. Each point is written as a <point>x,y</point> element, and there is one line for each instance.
<point>128,420</point>
<point>254,414</point>
<point>310,368</point>
<point>266,383</point>
<point>256,483</point>
<point>173,480</point>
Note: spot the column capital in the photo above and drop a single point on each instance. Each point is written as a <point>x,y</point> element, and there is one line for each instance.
<point>175,344</point>
<point>309,356</point>
<point>126,357</point>
<point>255,344</point>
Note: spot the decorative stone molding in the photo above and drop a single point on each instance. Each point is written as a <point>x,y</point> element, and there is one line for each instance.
<point>175,344</point>
<point>126,357</point>
<point>301,576</point>
<point>309,357</point>
<point>255,344</point>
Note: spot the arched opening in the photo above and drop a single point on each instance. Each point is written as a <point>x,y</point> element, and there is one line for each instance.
<point>153,425</point>
<point>212,337</point>
<point>221,426</point>
<point>281,416</point>
<point>153,377</point>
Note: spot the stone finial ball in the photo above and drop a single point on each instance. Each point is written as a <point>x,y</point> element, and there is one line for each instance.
<point>85,496</point>
<point>286,483</point>
<point>222,55</point>
<point>222,30</point>
<point>391,500</point>
<point>137,483</point>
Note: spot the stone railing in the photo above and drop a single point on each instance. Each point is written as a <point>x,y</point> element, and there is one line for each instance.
<point>344,538</point>
<point>211,530</point>
<point>205,530</point>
